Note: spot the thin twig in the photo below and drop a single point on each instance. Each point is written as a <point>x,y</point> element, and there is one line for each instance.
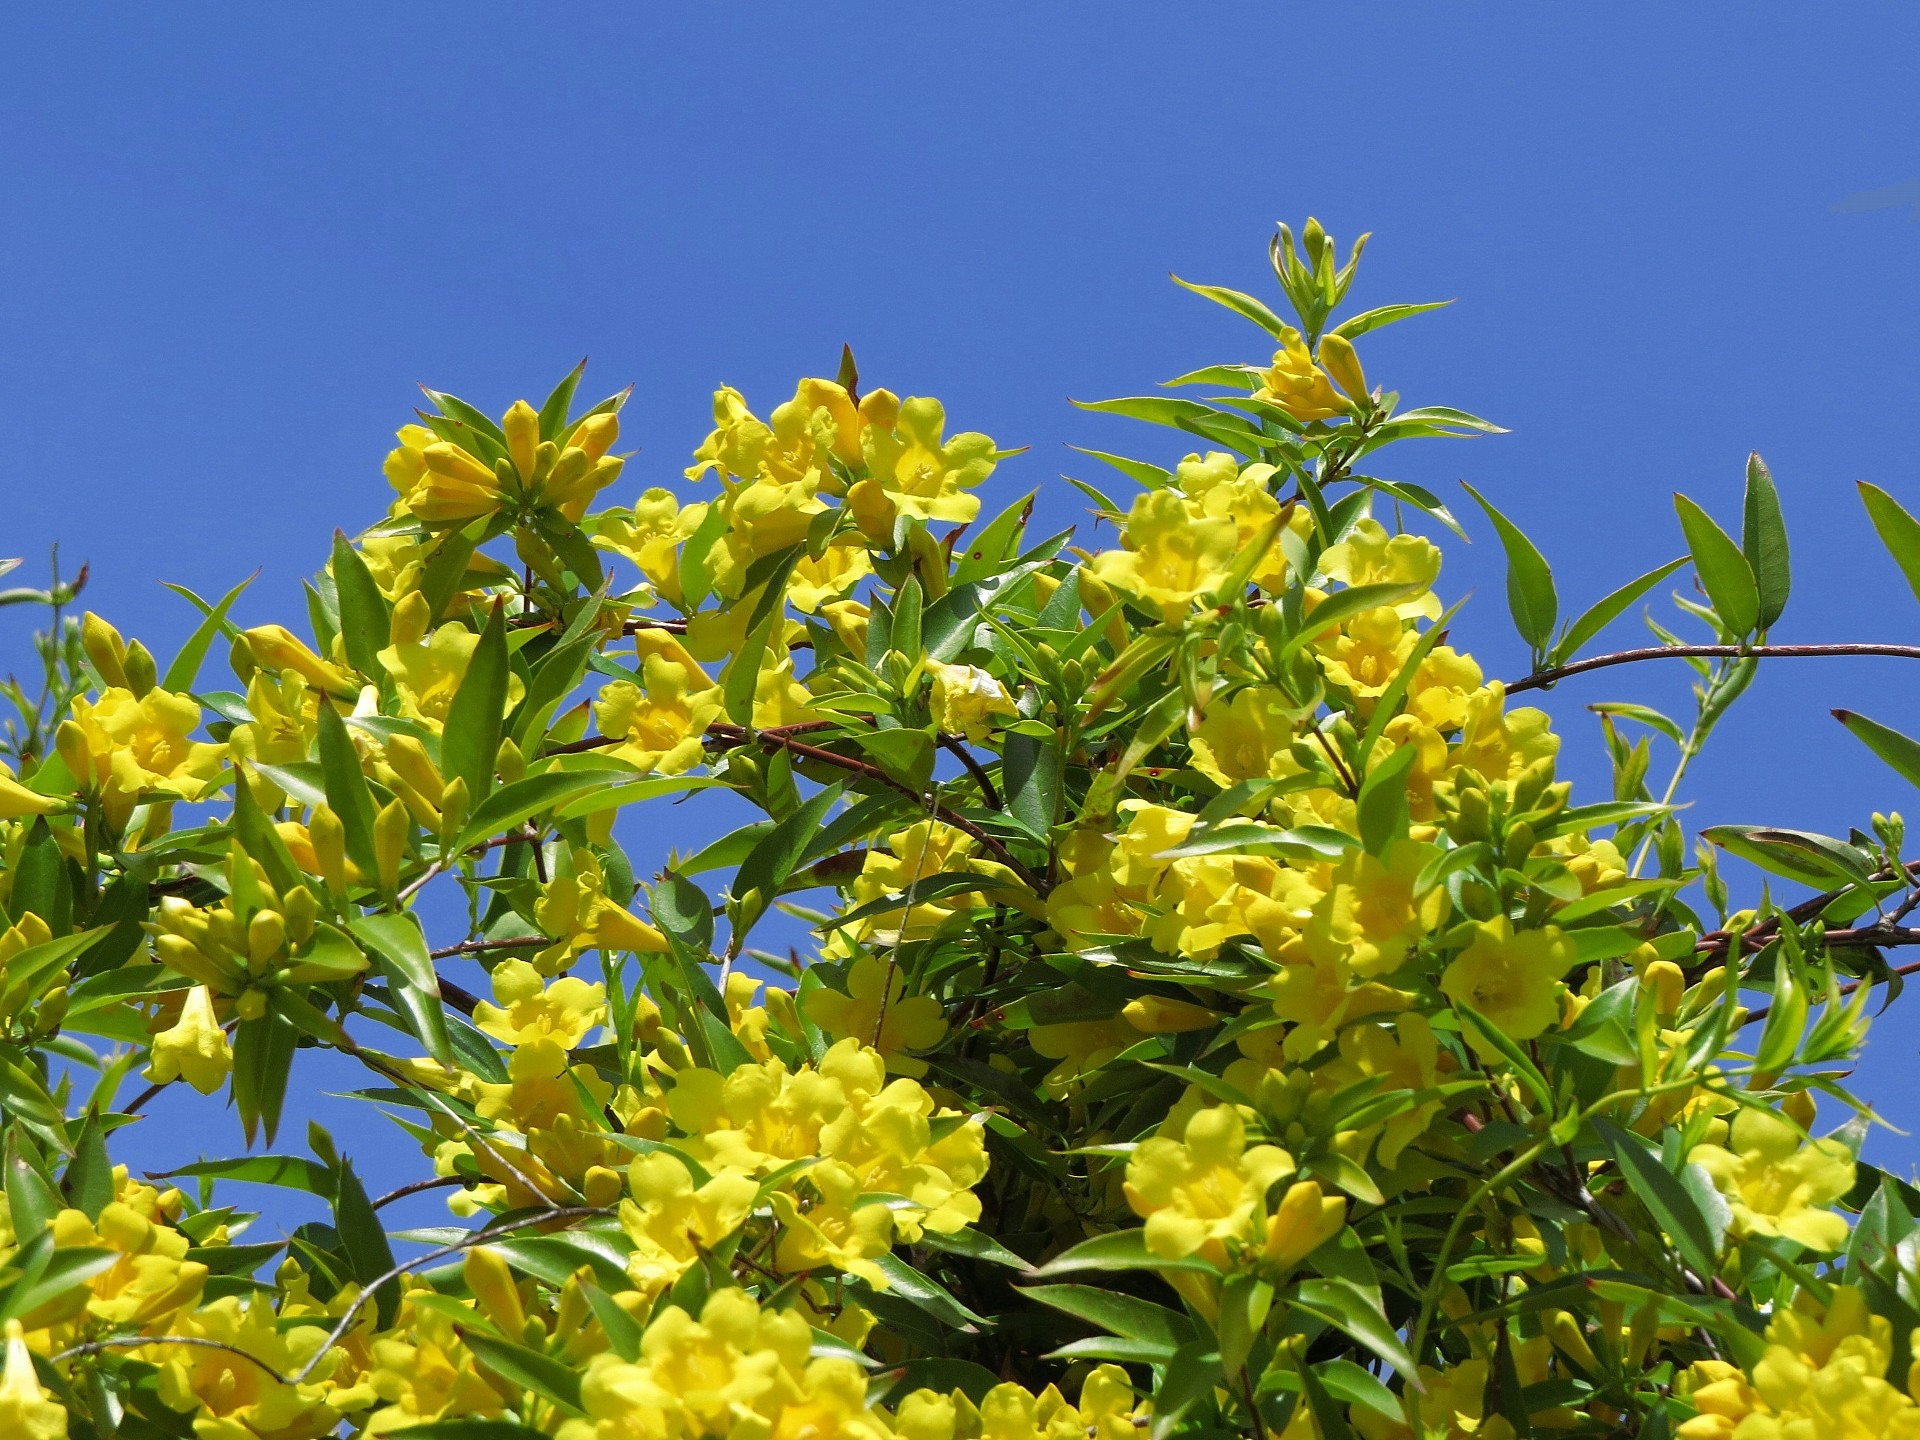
<point>136,1342</point>
<point>439,1182</point>
<point>1540,679</point>
<point>465,1242</point>
<point>1912,937</point>
<point>955,747</point>
<point>480,947</point>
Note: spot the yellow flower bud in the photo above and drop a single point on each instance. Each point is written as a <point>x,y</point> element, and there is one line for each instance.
<point>522,426</point>
<point>390,830</point>
<point>595,435</point>
<point>266,938</point>
<point>329,847</point>
<point>456,464</point>
<point>142,674</point>
<point>1157,1015</point>
<point>25,1410</point>
<point>1305,1220</point>
<point>1338,359</point>
<point>70,743</point>
<point>105,649</point>
<point>411,619</point>
<point>509,765</point>
<point>251,1005</point>
<point>300,907</point>
<point>491,1281</point>
<point>454,809</point>
<point>1667,983</point>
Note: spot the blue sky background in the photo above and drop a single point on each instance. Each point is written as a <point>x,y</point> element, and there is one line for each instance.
<point>232,238</point>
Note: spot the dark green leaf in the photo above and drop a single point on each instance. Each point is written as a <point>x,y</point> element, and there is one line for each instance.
<point>1382,803</point>
<point>1666,1199</point>
<point>1606,611</point>
<point>1116,1313</point>
<point>470,745</point>
<point>400,951</point>
<point>364,614</point>
<point>1530,592</point>
<point>1763,540</point>
<point>530,1370</point>
<point>1723,570</point>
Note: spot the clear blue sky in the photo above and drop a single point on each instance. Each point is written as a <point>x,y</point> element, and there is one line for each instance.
<point>231,239</point>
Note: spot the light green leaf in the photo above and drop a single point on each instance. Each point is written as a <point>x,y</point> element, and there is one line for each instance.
<point>1722,568</point>
<point>1897,529</point>
<point>1530,592</point>
<point>1763,540</point>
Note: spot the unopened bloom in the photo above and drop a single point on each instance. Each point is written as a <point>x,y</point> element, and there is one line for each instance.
<point>194,1048</point>
<point>966,698</point>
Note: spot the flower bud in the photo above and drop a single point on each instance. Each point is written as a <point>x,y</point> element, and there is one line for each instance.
<point>142,674</point>
<point>412,618</point>
<point>509,764</point>
<point>491,1281</point>
<point>251,1005</point>
<point>390,830</point>
<point>329,847</point>
<point>266,938</point>
<point>1339,359</point>
<point>457,464</point>
<point>522,426</point>
<point>594,436</point>
<point>70,743</point>
<point>300,907</point>
<point>105,649</point>
<point>454,809</point>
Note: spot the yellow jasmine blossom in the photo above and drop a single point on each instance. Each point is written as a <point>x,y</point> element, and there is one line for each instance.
<point>278,649</point>
<point>1512,978</point>
<point>1297,385</point>
<point>1204,1190</point>
<point>1497,744</point>
<point>427,668</point>
<point>813,583</point>
<point>129,747</point>
<point>1370,556</point>
<point>911,471</point>
<point>660,727</point>
<point>25,1409</point>
<point>877,1011</point>
<point>1372,917</point>
<point>966,698</point>
<point>437,482</point>
<point>195,1048</point>
<point>529,1009</point>
<point>1171,558</point>
<point>17,801</point>
<point>1365,656</point>
<point>1778,1182</point>
<point>1246,737</point>
<point>1304,1220</point>
<point>649,536</point>
<point>671,1220</point>
<point>575,910</point>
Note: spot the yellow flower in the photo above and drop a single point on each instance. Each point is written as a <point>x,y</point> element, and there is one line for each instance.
<point>232,1396</point>
<point>813,583</point>
<point>1246,737</point>
<point>1512,979</point>
<point>671,1220</point>
<point>1777,1182</point>
<point>276,648</point>
<point>25,1409</point>
<point>195,1048</point>
<point>877,1011</point>
<point>427,668</point>
<point>1171,558</point>
<point>1499,745</point>
<point>129,748</point>
<point>660,727</point>
<point>1297,385</point>
<point>151,1281</point>
<point>575,910</point>
<point>1217,488</point>
<point>1441,688</point>
<point>965,698</point>
<point>1370,556</point>
<point>1371,917</point>
<point>530,1010</point>
<point>17,801</point>
<point>1305,1219</point>
<point>1204,1190</point>
<point>911,471</point>
<point>1081,1047</point>
<point>1365,656</point>
<point>649,536</point>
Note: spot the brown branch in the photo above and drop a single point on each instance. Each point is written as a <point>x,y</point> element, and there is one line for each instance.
<point>1716,941</point>
<point>1889,936</point>
<point>439,1182</point>
<point>480,947</point>
<point>1540,679</point>
<point>955,747</point>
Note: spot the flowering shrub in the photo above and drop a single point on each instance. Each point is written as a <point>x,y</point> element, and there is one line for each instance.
<point>1214,1016</point>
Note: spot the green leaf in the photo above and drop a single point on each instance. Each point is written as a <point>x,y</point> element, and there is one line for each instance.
<point>554,410</point>
<point>40,882</point>
<point>45,1279</point>
<point>1492,1037</point>
<point>364,1239</point>
<point>1530,592</point>
<point>1190,1377</point>
<point>1723,570</point>
<point>89,1178</point>
<point>1240,304</point>
<point>289,1172</point>
<point>1140,472</point>
<point>1346,1307</point>
<point>346,787</point>
<point>1118,1314</point>
<point>185,670</point>
<point>928,1295</point>
<point>1816,860</point>
<point>975,1246</point>
<point>1329,1420</point>
<point>1121,1250</point>
<point>31,1197</point>
<point>262,1060</point>
<point>1898,531</point>
<point>1338,608</point>
<point>26,1098</point>
<point>1383,315</point>
<point>261,841</point>
<point>513,805</point>
<point>768,619</point>
<point>1381,806</point>
<point>1606,611</point>
<point>1763,540</point>
<point>530,1370</point>
<point>470,745</point>
<point>772,861</point>
<point>623,1331</point>
<point>364,613</point>
<point>1666,1199</point>
<point>400,951</point>
<point>1897,750</point>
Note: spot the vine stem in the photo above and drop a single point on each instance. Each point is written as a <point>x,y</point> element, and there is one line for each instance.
<point>1541,679</point>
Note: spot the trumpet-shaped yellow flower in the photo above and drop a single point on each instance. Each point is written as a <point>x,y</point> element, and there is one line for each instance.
<point>813,583</point>
<point>671,1220</point>
<point>129,748</point>
<point>649,537</point>
<point>17,801</point>
<point>427,668</point>
<point>660,727</point>
<point>966,698</point>
<point>1370,556</point>
<point>1512,978</point>
<point>1297,385</point>
<point>195,1048</point>
<point>1246,737</point>
<point>1304,1220</point>
<point>1206,1190</point>
<point>26,1410</point>
<point>530,1009</point>
<point>1171,558</point>
<point>911,470</point>
<point>877,1011</point>
<point>1366,654</point>
<point>575,910</point>
<point>1778,1182</point>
